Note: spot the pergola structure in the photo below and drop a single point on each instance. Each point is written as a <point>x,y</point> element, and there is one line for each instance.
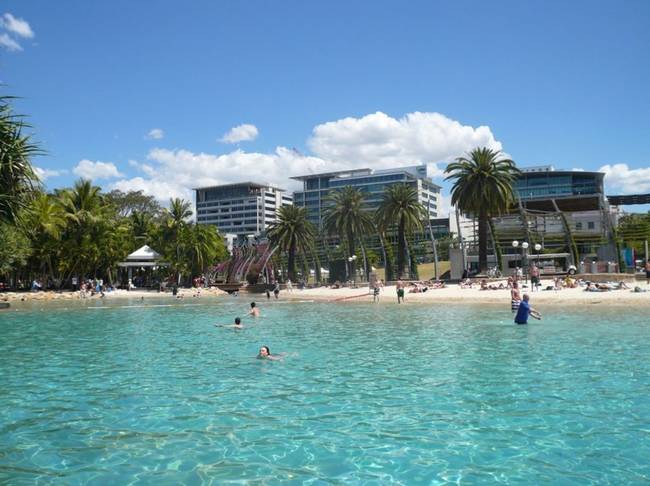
<point>143,258</point>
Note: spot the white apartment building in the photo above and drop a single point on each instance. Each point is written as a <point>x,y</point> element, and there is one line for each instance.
<point>243,209</point>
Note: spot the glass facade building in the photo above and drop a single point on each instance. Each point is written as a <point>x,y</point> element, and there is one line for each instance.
<point>242,209</point>
<point>545,183</point>
<point>317,188</point>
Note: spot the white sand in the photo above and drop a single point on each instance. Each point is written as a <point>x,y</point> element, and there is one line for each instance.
<point>115,294</point>
<point>453,293</point>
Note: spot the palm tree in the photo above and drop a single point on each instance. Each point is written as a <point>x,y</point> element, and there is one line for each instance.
<point>176,217</point>
<point>17,176</point>
<point>292,231</point>
<point>44,222</point>
<point>84,210</point>
<point>483,187</point>
<point>205,246</point>
<point>400,206</point>
<point>346,217</point>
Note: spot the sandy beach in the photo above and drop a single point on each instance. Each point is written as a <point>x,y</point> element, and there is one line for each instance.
<point>115,294</point>
<point>454,294</point>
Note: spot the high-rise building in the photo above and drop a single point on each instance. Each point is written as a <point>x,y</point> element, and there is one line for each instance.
<point>317,188</point>
<point>243,209</point>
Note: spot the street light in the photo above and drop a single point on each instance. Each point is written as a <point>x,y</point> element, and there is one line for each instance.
<point>351,259</point>
<point>538,248</point>
<point>515,245</point>
<point>524,259</point>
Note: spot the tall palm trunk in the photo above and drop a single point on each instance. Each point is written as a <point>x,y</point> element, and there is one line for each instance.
<point>401,247</point>
<point>388,272</point>
<point>291,261</point>
<point>365,260</point>
<point>482,241</point>
<point>435,251</point>
<point>351,249</point>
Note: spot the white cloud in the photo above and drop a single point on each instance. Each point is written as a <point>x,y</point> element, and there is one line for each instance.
<point>173,173</point>
<point>376,141</point>
<point>620,178</point>
<point>44,174</point>
<point>380,141</point>
<point>16,26</point>
<point>92,170</point>
<point>155,134</point>
<point>241,133</point>
<point>9,44</point>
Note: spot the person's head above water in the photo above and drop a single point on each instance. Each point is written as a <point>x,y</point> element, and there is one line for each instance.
<point>265,351</point>
<point>526,297</point>
<point>252,305</point>
<point>237,321</point>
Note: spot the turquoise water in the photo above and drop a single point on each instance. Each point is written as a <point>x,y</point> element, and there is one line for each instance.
<point>413,394</point>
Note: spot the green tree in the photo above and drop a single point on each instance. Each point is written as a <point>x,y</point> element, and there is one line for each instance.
<point>346,217</point>
<point>128,203</point>
<point>84,211</point>
<point>174,235</point>
<point>17,177</point>
<point>14,250</point>
<point>292,232</point>
<point>483,187</point>
<point>401,208</point>
<point>44,222</point>
<point>205,247</point>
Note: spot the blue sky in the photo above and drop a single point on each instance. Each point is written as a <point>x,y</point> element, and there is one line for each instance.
<point>326,85</point>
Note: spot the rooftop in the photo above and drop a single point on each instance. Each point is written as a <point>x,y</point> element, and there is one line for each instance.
<point>256,185</point>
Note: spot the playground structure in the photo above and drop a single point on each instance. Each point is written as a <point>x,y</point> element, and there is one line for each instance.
<point>250,261</point>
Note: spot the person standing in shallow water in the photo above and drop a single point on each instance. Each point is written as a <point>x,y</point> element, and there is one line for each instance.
<point>255,312</point>
<point>515,297</point>
<point>526,310</point>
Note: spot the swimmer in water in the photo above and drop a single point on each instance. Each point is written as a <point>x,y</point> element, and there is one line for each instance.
<point>265,353</point>
<point>236,325</point>
<point>255,312</point>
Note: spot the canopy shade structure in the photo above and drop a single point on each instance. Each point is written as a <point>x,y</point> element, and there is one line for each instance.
<point>144,257</point>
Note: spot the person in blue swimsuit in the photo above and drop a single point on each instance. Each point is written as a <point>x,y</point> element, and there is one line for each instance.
<point>526,310</point>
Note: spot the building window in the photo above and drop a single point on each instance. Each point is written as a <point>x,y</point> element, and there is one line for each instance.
<point>591,225</point>
<point>578,226</point>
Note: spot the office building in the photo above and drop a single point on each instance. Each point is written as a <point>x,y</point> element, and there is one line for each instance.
<point>242,209</point>
<point>317,188</point>
<point>566,212</point>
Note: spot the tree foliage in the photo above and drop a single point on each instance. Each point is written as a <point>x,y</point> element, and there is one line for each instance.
<point>17,176</point>
<point>401,208</point>
<point>292,232</point>
<point>483,187</point>
<point>80,231</point>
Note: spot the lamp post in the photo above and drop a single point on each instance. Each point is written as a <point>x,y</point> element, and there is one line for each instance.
<point>524,259</point>
<point>515,245</point>
<point>350,260</point>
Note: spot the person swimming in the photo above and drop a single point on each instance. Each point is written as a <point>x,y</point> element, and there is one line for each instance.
<point>265,353</point>
<point>236,325</point>
<point>255,312</point>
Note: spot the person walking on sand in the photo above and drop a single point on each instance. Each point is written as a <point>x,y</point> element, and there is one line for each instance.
<point>400,291</point>
<point>647,272</point>
<point>276,289</point>
<point>534,277</point>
